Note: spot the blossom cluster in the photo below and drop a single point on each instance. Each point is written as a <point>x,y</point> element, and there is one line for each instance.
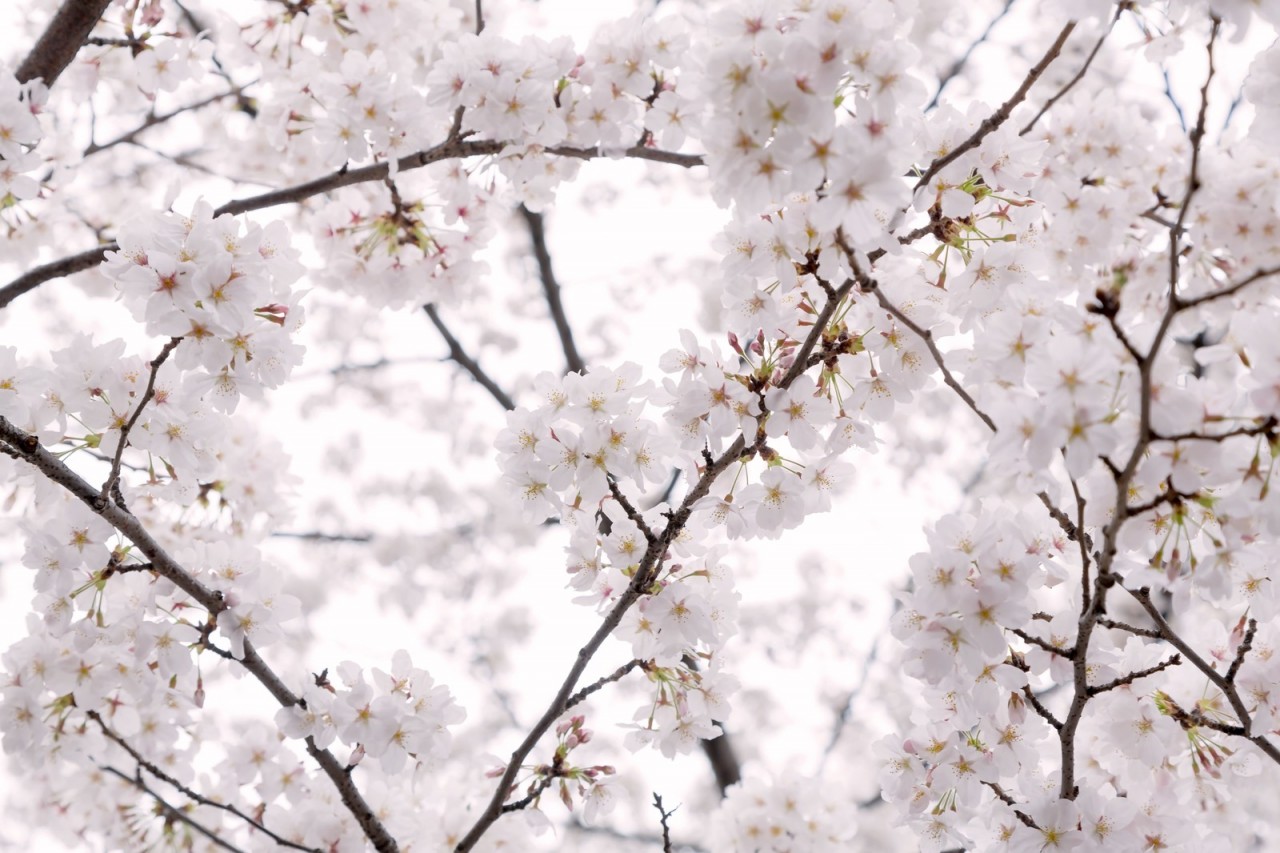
<point>1094,637</point>
<point>20,133</point>
<point>403,715</point>
<point>789,813</point>
<point>225,291</point>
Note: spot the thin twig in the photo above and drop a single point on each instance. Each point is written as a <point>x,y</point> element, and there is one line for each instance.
<point>635,517</point>
<point>156,363</point>
<point>1246,645</point>
<point>1132,629</point>
<point>1070,84</point>
<point>1169,96</point>
<point>551,290</point>
<point>317,536</point>
<point>957,66</point>
<point>594,686</point>
<point>1143,597</point>
<point>649,566</point>
<point>666,830</point>
<point>1135,675</point>
<point>154,119</point>
<point>1230,290</point>
<point>448,150</point>
<point>56,471</point>
<point>466,362</point>
<point>194,796</point>
<point>1000,116</point>
<point>846,710</point>
<point>927,336</point>
<point>170,810</point>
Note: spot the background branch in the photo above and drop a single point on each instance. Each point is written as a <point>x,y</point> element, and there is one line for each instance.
<point>551,290</point>
<point>466,362</point>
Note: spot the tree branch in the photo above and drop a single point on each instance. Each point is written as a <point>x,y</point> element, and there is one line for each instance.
<point>171,811</point>
<point>958,66</point>
<point>649,566</point>
<point>153,119</point>
<point>1000,116</point>
<point>551,290</point>
<point>61,40</point>
<point>114,477</point>
<point>194,796</point>
<point>1228,688</point>
<point>30,451</point>
<point>344,177</point>
<point>616,675</point>
<point>466,362</point>
<point>1070,84</point>
<point>666,830</point>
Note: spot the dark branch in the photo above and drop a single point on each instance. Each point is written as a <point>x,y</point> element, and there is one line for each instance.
<point>55,470</point>
<point>114,477</point>
<point>616,675</point>
<point>61,40</point>
<point>1000,116</point>
<point>666,830</point>
<point>194,796</point>
<point>154,119</point>
<point>344,177</point>
<point>171,811</point>
<point>466,362</point>
<point>551,290</point>
<point>1070,84</point>
<point>1134,676</point>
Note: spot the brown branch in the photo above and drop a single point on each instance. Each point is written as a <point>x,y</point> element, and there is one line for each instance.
<point>61,40</point>
<point>451,148</point>
<point>1039,707</point>
<point>69,265</point>
<point>194,796</point>
<point>1246,645</point>
<point>243,103</point>
<point>1032,639</point>
<point>1132,629</point>
<point>466,362</point>
<point>1266,427</point>
<point>551,290</point>
<point>636,518</point>
<point>154,119</point>
<point>616,675</point>
<point>927,336</point>
<point>114,477</point>
<point>846,710</point>
<point>1230,290</point>
<point>1011,803</point>
<point>171,811</point>
<point>1000,116</point>
<point>666,831</point>
<point>650,565</point>
<point>163,564</point>
<point>1070,84</point>
<point>1134,676</point>
<point>536,790</point>
<point>1228,688</point>
<point>1089,614</point>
